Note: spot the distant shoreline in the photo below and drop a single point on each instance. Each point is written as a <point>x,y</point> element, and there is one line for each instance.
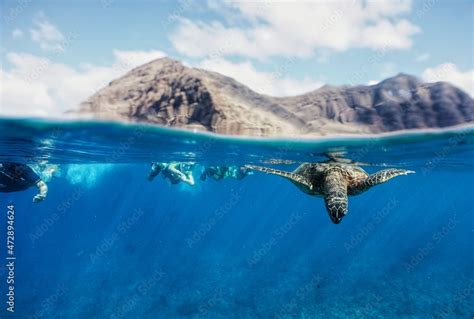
<point>52,122</point>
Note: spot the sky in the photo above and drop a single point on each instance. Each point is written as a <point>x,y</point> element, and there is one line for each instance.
<point>55,54</point>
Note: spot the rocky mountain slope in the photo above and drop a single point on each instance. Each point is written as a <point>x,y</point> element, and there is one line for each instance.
<point>166,92</point>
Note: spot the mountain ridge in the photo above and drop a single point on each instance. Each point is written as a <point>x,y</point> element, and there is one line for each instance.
<point>168,93</point>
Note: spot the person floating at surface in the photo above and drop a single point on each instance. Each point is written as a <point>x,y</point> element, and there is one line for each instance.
<point>179,172</point>
<point>46,170</point>
<point>215,172</point>
<point>156,168</point>
<point>239,172</point>
<point>15,177</point>
<point>175,172</point>
<point>220,172</point>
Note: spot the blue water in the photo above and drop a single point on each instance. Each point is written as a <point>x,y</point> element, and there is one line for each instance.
<point>107,243</point>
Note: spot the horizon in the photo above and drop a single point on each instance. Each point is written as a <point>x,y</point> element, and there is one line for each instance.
<point>55,59</point>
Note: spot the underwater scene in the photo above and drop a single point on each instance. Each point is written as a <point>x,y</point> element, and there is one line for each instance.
<point>141,221</point>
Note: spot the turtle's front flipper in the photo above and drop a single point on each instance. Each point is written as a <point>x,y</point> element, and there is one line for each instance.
<point>291,176</point>
<point>384,175</point>
<point>335,195</point>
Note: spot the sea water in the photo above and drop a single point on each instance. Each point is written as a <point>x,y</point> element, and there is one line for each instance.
<point>107,243</point>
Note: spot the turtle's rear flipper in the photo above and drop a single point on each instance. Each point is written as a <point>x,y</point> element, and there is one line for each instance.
<point>291,176</point>
<point>384,175</point>
<point>335,196</point>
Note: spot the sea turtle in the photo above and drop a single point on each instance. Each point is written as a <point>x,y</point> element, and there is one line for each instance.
<point>334,181</point>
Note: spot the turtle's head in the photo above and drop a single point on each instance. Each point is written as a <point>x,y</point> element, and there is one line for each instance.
<point>337,209</point>
<point>336,219</point>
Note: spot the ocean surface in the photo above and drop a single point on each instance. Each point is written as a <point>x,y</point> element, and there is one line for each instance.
<point>108,243</point>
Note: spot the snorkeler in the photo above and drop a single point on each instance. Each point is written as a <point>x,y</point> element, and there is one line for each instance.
<point>239,172</point>
<point>15,177</point>
<point>175,172</point>
<point>156,168</point>
<point>215,172</point>
<point>220,172</point>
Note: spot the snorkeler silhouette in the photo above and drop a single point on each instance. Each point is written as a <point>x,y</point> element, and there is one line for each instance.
<point>15,177</point>
<point>220,172</point>
<point>175,172</point>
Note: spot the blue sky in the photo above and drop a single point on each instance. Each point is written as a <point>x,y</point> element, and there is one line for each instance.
<point>61,52</point>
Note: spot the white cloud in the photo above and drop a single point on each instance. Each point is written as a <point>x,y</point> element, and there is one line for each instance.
<point>297,29</point>
<point>270,83</point>
<point>37,86</point>
<point>422,57</point>
<point>21,98</point>
<point>449,72</point>
<point>17,34</point>
<point>46,34</point>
